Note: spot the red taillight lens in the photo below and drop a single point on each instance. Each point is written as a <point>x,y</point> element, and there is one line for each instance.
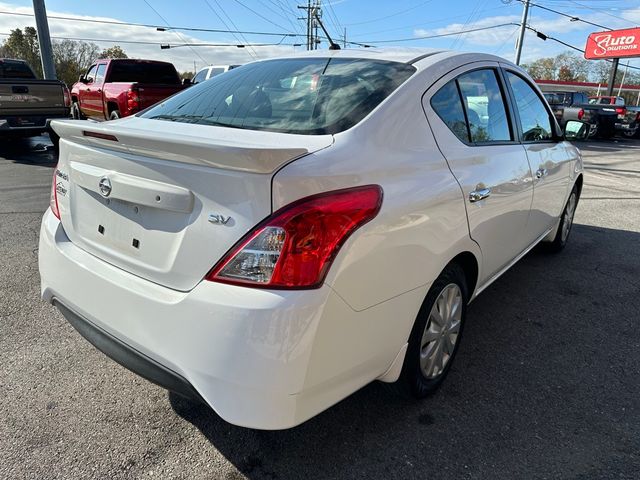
<point>294,247</point>
<point>67,96</point>
<point>53,198</point>
<point>580,114</point>
<point>133,100</point>
<point>621,110</point>
<point>638,117</point>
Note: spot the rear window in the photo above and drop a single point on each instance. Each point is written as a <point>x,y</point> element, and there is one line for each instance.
<point>15,70</point>
<point>143,72</point>
<point>302,95</point>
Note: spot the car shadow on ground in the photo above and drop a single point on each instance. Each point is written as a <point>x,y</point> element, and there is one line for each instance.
<point>30,151</point>
<point>526,394</point>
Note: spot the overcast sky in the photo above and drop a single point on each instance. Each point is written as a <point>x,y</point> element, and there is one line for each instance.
<point>376,22</point>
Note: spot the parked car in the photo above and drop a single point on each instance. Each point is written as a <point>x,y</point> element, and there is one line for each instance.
<point>626,123</point>
<point>211,71</point>
<point>28,104</point>
<point>633,116</point>
<point>273,239</point>
<point>114,88</point>
<point>576,106</point>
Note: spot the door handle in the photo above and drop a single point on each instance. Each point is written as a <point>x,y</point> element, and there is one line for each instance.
<point>99,90</point>
<point>88,90</point>
<point>478,195</point>
<point>541,172</point>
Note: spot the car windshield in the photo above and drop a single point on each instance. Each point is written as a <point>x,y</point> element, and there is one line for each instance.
<point>144,72</point>
<point>301,95</point>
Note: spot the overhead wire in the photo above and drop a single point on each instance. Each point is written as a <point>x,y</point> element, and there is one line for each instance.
<point>153,25</point>
<point>178,34</point>
<point>252,53</point>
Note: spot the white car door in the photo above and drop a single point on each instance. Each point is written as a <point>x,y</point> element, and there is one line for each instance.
<point>470,119</point>
<point>550,158</point>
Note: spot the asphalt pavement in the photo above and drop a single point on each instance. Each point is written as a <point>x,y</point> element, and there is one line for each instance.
<point>546,383</point>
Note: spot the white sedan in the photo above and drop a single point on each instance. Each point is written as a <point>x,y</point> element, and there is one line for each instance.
<point>274,239</point>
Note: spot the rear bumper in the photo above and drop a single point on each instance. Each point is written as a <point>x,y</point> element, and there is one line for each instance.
<point>128,356</point>
<point>29,122</point>
<point>261,359</point>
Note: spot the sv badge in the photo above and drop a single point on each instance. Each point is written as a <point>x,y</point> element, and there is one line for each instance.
<point>219,219</point>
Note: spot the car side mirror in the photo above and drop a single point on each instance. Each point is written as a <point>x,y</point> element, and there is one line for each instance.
<point>186,82</point>
<point>575,130</point>
<point>81,79</point>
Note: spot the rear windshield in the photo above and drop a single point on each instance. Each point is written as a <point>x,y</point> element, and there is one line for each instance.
<point>301,95</point>
<point>15,70</point>
<point>143,72</point>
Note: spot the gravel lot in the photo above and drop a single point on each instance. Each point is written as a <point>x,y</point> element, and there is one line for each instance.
<point>546,383</point>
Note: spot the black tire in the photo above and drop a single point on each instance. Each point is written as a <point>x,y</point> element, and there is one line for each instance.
<point>76,114</point>
<point>561,239</point>
<point>412,380</point>
<point>114,115</point>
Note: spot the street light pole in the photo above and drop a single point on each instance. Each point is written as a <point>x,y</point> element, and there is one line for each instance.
<point>44,40</point>
<point>523,26</point>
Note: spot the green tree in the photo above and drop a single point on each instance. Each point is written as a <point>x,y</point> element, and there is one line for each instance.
<point>113,52</point>
<point>184,75</point>
<point>73,58</point>
<point>23,46</point>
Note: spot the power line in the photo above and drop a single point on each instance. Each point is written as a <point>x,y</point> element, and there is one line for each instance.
<point>572,17</point>
<point>388,16</point>
<point>252,53</point>
<point>161,27</point>
<point>258,14</point>
<point>142,42</point>
<point>178,34</point>
<point>479,29</point>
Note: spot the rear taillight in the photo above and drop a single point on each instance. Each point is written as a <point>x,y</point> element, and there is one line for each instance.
<point>133,100</point>
<point>580,114</point>
<point>294,247</point>
<point>621,110</point>
<point>53,198</point>
<point>638,117</point>
<point>67,96</point>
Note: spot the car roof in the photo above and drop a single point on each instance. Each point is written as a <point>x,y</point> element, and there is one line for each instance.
<point>416,56</point>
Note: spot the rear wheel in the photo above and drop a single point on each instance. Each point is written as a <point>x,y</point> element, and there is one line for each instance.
<point>76,114</point>
<point>436,334</point>
<point>114,115</point>
<point>566,222</point>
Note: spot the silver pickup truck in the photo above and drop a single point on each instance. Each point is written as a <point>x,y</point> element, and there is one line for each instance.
<point>27,104</point>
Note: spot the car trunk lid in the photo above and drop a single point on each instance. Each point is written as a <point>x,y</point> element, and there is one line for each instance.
<point>164,200</point>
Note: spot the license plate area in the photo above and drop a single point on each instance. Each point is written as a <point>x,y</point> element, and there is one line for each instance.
<point>125,233</point>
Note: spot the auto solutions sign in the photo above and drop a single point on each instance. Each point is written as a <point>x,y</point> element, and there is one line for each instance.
<point>613,44</point>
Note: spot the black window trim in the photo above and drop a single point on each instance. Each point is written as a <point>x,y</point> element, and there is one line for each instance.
<point>556,132</point>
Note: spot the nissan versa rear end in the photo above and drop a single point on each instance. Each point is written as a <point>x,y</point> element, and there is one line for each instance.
<point>273,239</point>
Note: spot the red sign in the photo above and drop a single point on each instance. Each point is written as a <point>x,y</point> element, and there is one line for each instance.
<point>613,44</point>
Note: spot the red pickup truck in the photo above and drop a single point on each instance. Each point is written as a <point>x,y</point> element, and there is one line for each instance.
<point>114,88</point>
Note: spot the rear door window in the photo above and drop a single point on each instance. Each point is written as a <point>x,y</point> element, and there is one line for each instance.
<point>485,106</point>
<point>100,73</point>
<point>299,95</point>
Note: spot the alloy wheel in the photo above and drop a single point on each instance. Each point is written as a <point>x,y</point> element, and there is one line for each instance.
<point>441,331</point>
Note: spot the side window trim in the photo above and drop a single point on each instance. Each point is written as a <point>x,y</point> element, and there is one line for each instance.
<point>557,137</point>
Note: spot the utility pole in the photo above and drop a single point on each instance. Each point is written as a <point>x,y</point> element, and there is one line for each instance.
<point>309,29</point>
<point>523,26</point>
<point>344,43</point>
<point>44,40</point>
<point>612,76</point>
